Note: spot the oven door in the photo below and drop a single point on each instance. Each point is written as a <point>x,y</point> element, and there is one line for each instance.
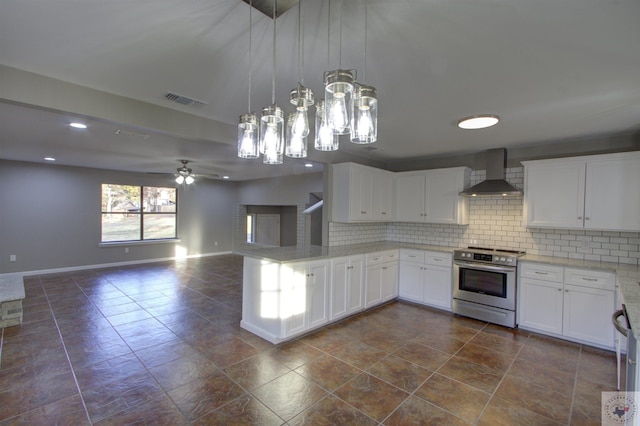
<point>486,284</point>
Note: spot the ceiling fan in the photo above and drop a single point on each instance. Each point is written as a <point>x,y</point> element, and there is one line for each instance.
<point>185,174</point>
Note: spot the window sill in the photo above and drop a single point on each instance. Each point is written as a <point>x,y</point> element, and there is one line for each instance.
<point>139,243</point>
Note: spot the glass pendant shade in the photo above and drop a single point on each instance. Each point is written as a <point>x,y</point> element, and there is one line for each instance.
<point>338,87</point>
<point>248,136</point>
<point>271,135</point>
<point>325,139</point>
<point>296,143</point>
<point>364,113</point>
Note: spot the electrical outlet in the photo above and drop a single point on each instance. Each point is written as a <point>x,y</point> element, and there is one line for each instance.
<point>215,243</point>
<point>126,249</point>
<point>12,258</point>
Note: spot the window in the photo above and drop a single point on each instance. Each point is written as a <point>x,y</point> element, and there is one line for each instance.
<point>138,213</point>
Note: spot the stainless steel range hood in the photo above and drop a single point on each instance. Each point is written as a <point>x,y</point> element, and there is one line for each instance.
<point>496,161</point>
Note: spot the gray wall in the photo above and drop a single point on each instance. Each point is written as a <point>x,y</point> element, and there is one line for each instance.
<point>50,217</point>
<point>280,191</point>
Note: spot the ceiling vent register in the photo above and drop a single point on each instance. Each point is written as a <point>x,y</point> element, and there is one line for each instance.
<point>184,100</point>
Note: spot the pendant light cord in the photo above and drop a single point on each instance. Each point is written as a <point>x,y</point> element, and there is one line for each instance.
<point>273,69</point>
<point>340,32</point>
<point>250,60</point>
<point>364,70</point>
<point>300,57</point>
<point>329,36</point>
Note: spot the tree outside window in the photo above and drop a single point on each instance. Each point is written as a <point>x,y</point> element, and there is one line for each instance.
<point>138,213</point>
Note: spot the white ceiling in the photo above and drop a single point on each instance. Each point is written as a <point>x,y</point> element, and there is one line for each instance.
<point>552,70</point>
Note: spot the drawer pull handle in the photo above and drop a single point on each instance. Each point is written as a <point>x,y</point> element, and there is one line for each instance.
<point>589,279</point>
<point>541,273</point>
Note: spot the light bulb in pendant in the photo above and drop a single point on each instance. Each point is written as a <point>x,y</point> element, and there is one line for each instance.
<point>365,123</point>
<point>300,126</point>
<point>338,114</point>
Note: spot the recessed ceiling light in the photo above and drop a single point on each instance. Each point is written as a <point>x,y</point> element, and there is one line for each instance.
<point>308,165</point>
<point>49,159</point>
<point>478,121</point>
<point>226,177</point>
<point>78,125</point>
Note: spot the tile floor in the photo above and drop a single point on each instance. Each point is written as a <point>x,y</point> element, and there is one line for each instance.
<point>161,344</point>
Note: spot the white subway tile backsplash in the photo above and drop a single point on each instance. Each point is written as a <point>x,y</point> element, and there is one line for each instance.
<point>497,222</point>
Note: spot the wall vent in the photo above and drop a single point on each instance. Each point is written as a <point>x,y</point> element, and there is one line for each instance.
<point>184,100</point>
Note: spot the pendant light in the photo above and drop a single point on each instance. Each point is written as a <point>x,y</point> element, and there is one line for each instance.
<point>302,98</point>
<point>338,87</point>
<point>272,120</point>
<point>325,139</point>
<point>364,108</point>
<point>248,125</point>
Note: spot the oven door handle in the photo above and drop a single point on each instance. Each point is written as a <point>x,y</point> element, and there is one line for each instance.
<point>472,265</point>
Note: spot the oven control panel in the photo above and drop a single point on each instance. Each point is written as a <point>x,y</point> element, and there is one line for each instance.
<point>495,257</point>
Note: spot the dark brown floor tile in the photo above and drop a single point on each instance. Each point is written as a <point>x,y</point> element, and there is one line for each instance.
<point>562,357</point>
<point>504,413</point>
<point>544,374</point>
<point>424,356</point>
<point>38,328</point>
<point>331,411</point>
<point>115,397</point>
<point>256,371</point>
<point>183,370</point>
<point>230,352</point>
<point>163,353</point>
<point>465,401</point>
<point>158,411</point>
<point>359,354</point>
<point>547,403</point>
<point>294,354</point>
<point>598,366</point>
<point>372,396</point>
<point>200,397</point>
<point>36,394</point>
<point>587,402</point>
<point>497,342</point>
<point>326,340</point>
<point>415,411</point>
<point>40,369</point>
<point>384,339</point>
<point>68,411</point>
<point>476,375</point>
<point>484,356</point>
<point>442,343</point>
<point>288,395</point>
<point>117,369</point>
<point>96,352</point>
<point>400,373</point>
<point>328,372</point>
<point>114,310</point>
<point>244,410</point>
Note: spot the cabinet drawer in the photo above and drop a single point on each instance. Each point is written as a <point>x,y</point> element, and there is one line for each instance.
<point>382,257</point>
<point>542,272</point>
<point>590,278</point>
<point>438,259</point>
<point>412,255</point>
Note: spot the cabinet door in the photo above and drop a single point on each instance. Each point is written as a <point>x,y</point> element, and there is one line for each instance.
<point>293,293</point>
<point>554,194</point>
<point>612,198</point>
<point>355,290</point>
<point>441,196</point>
<point>437,287</point>
<point>411,281</point>
<point>318,293</point>
<point>373,286</point>
<point>389,276</point>
<point>339,287</point>
<point>361,194</point>
<point>382,190</point>
<point>540,305</point>
<point>409,198</point>
<point>587,315</point>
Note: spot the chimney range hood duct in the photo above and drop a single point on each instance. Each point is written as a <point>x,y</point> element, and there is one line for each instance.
<point>496,161</point>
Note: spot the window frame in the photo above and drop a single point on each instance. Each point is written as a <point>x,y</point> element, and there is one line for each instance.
<point>141,213</point>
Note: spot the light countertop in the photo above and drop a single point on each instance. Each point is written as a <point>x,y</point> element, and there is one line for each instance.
<point>628,276</point>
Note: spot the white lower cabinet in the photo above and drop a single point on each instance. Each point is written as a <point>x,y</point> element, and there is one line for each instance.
<point>347,286</point>
<point>305,291</point>
<point>381,277</point>
<point>426,277</point>
<point>572,303</point>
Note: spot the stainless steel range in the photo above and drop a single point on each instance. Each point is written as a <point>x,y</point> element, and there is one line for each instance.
<point>484,284</point>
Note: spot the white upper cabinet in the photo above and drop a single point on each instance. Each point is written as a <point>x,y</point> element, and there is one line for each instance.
<point>361,193</point>
<point>597,192</point>
<point>432,196</point>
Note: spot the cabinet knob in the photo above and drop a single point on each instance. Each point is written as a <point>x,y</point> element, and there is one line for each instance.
<point>559,289</point>
<point>579,217</point>
<point>587,218</point>
<point>566,291</point>
<point>384,212</point>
